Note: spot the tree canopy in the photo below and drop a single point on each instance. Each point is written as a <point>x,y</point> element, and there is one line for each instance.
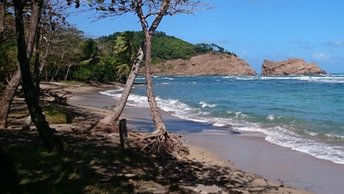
<point>73,56</point>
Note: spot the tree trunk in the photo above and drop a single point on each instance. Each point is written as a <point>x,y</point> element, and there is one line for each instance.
<point>155,112</point>
<point>114,116</point>
<point>12,86</point>
<point>37,64</point>
<point>50,141</point>
<point>66,76</point>
<point>128,86</point>
<point>2,16</point>
<point>7,97</point>
<point>148,34</point>
<point>123,134</point>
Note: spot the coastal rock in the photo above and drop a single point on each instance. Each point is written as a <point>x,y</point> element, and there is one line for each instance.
<point>290,67</point>
<point>205,64</point>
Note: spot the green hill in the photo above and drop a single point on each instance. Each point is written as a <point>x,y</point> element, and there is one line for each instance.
<point>167,47</point>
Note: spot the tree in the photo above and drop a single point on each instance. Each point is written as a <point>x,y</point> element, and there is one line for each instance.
<point>157,9</point>
<point>64,54</point>
<point>50,141</point>
<point>124,52</point>
<point>144,10</point>
<point>12,86</point>
<point>53,17</point>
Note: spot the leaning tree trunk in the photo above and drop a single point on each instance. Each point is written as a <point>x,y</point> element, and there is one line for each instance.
<point>128,86</point>
<point>154,109</point>
<point>11,88</point>
<point>50,141</point>
<point>117,111</point>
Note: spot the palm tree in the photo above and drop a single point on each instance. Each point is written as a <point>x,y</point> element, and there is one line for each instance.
<point>125,50</point>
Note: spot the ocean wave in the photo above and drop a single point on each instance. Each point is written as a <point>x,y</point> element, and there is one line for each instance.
<point>246,78</point>
<point>237,114</point>
<point>286,138</point>
<point>236,120</point>
<point>329,136</point>
<point>112,93</point>
<point>321,79</point>
<point>272,117</point>
<point>167,78</point>
<point>206,105</point>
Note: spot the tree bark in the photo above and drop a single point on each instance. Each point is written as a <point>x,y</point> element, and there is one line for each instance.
<point>7,97</point>
<point>154,109</point>
<point>50,141</point>
<point>123,134</point>
<point>2,16</point>
<point>66,76</point>
<point>117,111</point>
<point>12,86</point>
<point>37,64</point>
<point>148,33</point>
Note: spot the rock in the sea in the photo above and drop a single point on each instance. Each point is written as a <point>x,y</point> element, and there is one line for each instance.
<point>290,67</point>
<point>205,64</point>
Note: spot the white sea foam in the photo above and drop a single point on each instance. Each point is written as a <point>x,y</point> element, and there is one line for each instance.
<point>276,135</point>
<point>286,138</point>
<point>167,78</point>
<point>206,105</point>
<point>328,135</point>
<point>270,117</point>
<point>321,79</point>
<point>112,93</point>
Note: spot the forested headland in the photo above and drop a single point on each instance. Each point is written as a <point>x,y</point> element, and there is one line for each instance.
<point>70,55</point>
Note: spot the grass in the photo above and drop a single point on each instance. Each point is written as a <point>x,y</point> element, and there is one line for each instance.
<point>56,115</point>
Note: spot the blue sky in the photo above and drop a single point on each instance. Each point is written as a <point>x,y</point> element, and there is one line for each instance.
<point>254,29</point>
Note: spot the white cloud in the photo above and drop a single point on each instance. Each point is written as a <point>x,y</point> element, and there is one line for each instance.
<point>320,56</point>
<point>303,44</point>
<point>334,44</point>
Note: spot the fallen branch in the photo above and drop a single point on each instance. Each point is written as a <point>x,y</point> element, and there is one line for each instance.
<point>59,97</point>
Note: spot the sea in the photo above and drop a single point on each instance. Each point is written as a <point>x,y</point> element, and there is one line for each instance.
<point>303,113</point>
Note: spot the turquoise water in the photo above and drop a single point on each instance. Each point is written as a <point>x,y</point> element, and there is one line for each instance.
<point>302,113</point>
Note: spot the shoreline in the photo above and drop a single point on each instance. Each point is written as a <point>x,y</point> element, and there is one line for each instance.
<point>251,154</point>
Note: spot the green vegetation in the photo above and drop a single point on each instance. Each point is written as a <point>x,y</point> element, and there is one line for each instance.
<point>72,56</point>
<point>56,115</point>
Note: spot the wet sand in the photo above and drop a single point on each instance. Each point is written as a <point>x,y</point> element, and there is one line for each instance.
<point>247,152</point>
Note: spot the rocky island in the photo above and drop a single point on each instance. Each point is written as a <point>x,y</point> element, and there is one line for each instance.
<point>205,64</point>
<point>290,67</point>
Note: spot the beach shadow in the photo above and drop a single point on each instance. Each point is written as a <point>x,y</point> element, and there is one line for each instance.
<point>94,164</point>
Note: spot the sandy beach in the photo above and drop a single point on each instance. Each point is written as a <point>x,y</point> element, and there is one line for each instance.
<point>249,153</point>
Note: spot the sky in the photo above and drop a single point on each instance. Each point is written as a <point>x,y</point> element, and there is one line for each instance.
<point>255,30</point>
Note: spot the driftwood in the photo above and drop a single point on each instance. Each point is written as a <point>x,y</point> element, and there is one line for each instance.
<point>59,97</point>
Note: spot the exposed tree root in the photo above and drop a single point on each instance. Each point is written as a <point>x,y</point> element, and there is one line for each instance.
<point>161,144</point>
